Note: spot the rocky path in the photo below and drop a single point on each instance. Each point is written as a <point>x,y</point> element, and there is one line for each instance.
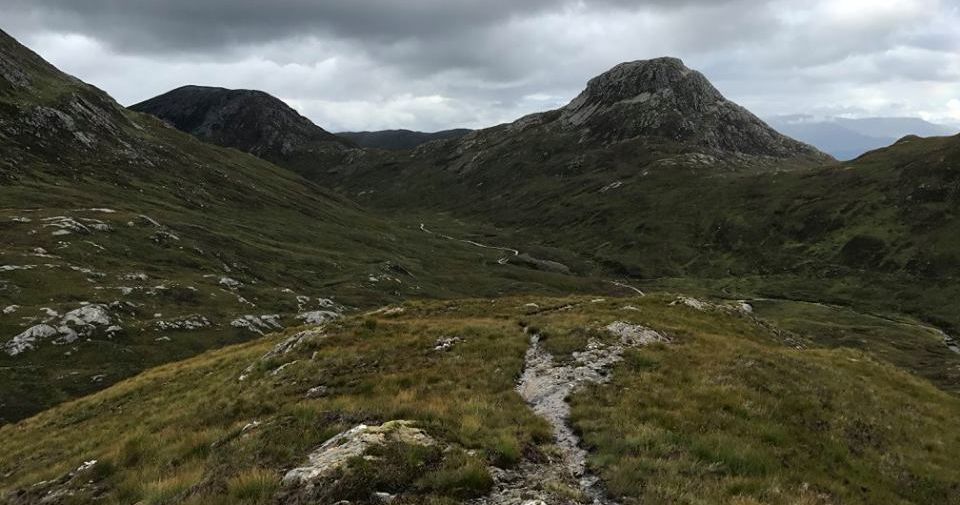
<point>545,385</point>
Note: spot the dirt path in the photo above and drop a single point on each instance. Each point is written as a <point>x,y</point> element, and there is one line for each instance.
<point>515,252</point>
<point>627,286</point>
<point>485,246</point>
<point>545,385</point>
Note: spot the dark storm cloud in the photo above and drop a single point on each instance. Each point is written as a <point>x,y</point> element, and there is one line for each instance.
<point>202,25</point>
<point>429,64</point>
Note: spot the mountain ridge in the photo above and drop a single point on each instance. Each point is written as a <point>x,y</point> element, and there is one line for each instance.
<point>400,139</point>
<point>849,138</point>
<point>252,121</point>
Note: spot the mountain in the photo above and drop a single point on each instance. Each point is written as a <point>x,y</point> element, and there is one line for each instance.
<point>251,121</point>
<point>578,307</point>
<point>125,244</point>
<point>651,175</point>
<point>847,138</point>
<point>663,98</point>
<point>896,127</point>
<point>400,139</point>
<point>614,180</point>
<point>658,101</point>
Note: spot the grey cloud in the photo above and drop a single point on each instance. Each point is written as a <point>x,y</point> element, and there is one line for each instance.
<point>190,25</point>
<point>440,63</point>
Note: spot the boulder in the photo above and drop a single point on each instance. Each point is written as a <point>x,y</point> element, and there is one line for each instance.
<point>337,451</point>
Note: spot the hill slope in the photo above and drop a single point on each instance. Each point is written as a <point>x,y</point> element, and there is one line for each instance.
<point>613,179</point>
<point>126,244</point>
<point>719,410</point>
<point>252,121</point>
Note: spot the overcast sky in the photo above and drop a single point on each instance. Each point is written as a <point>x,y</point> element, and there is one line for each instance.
<point>435,64</point>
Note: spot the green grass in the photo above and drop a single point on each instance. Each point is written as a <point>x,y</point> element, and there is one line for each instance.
<point>233,215</point>
<point>374,374</point>
<point>725,413</point>
<point>878,233</point>
<point>730,412</point>
<point>726,417</point>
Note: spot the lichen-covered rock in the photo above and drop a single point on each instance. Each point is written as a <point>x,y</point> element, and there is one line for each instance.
<point>334,453</point>
<point>284,347</point>
<point>66,223</point>
<point>66,329</point>
<point>740,306</point>
<point>446,343</point>
<point>28,339</point>
<point>318,316</point>
<point>76,486</point>
<point>188,323</point>
<point>230,282</point>
<point>258,324</point>
<point>635,334</point>
<point>87,315</point>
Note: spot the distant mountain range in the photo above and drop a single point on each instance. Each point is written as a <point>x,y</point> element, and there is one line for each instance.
<point>846,139</point>
<point>400,139</point>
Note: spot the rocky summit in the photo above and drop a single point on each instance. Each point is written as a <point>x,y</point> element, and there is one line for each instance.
<point>249,120</point>
<point>662,97</point>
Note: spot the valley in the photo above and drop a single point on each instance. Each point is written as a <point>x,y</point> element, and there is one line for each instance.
<point>647,295</point>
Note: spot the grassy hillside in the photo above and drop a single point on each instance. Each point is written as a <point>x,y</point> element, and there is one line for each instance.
<point>878,232</point>
<point>184,323</point>
<point>632,196</point>
<point>730,411</point>
<point>175,246</point>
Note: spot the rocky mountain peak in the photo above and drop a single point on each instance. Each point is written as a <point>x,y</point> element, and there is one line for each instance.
<point>661,97</point>
<point>640,80</point>
<point>249,120</point>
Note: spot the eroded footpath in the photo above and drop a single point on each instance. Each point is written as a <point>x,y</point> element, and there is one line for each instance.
<point>545,385</point>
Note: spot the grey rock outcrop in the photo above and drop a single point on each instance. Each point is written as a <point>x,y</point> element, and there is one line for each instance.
<point>306,484</point>
<point>662,97</point>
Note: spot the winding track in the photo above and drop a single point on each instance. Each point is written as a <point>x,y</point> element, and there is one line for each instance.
<point>515,252</point>
<point>478,244</point>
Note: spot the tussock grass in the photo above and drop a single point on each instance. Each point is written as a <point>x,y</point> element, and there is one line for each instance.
<point>725,414</point>
<point>722,418</point>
